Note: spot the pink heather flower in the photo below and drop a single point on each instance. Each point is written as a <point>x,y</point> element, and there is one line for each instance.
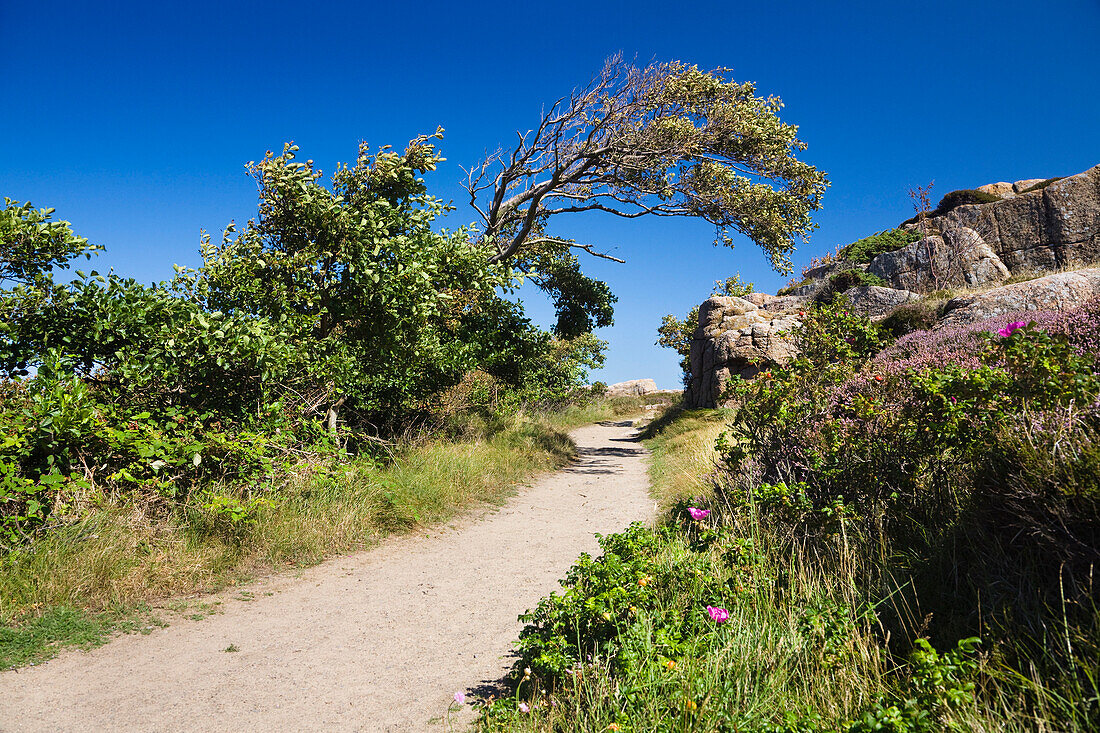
<point>524,707</point>
<point>718,615</point>
<point>698,514</point>
<point>1007,330</point>
<point>460,697</point>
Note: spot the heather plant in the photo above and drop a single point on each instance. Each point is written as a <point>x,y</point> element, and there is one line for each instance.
<point>934,450</point>
<point>883,503</point>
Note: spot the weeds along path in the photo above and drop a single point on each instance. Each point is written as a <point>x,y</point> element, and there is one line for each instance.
<point>377,641</point>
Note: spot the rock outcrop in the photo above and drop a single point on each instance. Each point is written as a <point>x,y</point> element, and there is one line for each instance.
<point>958,257</point>
<point>873,301</point>
<point>1060,291</point>
<point>734,337</point>
<point>1024,231</point>
<point>980,244</point>
<point>631,388</point>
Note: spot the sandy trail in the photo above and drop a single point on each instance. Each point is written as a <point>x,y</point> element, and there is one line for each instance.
<point>376,641</point>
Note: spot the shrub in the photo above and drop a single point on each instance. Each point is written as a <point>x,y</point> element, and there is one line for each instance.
<point>733,287</point>
<point>848,279</point>
<point>864,250</point>
<point>1042,184</point>
<point>844,281</point>
<point>910,317</point>
<point>954,200</point>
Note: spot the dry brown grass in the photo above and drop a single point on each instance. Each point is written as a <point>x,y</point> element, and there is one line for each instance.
<point>683,457</point>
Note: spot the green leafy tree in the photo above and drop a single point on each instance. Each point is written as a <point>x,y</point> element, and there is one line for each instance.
<point>32,243</point>
<point>581,303</point>
<point>384,310</point>
<point>666,140</point>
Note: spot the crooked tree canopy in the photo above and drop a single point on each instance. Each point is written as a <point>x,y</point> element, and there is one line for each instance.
<point>666,140</point>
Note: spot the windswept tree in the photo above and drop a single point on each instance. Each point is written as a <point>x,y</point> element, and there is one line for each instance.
<point>666,140</point>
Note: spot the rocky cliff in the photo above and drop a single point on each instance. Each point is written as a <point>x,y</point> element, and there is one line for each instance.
<point>1025,229</point>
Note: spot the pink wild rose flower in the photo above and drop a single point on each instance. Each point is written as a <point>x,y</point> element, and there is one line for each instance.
<point>1010,328</point>
<point>718,615</point>
<point>698,514</point>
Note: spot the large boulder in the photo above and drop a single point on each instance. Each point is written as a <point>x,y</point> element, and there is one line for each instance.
<point>786,303</point>
<point>631,388</point>
<point>760,300</point>
<point>1054,227</point>
<point>1021,186</point>
<point>1060,291</point>
<point>982,244</point>
<point>1002,190</point>
<point>734,338</point>
<point>873,301</point>
<point>960,257</point>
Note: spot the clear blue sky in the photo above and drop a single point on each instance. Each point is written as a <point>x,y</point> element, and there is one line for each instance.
<point>134,120</point>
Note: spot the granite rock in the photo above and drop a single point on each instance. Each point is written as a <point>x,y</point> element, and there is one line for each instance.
<point>632,387</point>
<point>873,301</point>
<point>1060,291</point>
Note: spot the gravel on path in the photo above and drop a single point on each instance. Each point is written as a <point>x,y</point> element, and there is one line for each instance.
<point>375,641</point>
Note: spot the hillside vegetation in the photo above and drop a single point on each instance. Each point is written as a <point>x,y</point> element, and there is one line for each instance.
<point>337,369</point>
<point>896,536</point>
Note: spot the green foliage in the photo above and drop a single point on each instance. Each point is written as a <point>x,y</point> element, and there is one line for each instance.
<point>864,250</point>
<point>32,244</point>
<point>910,317</point>
<point>336,311</point>
<point>378,304</point>
<point>151,341</point>
<point>733,287</point>
<point>955,199</point>
<point>581,303</point>
<point>676,334</point>
<point>939,687</point>
<point>845,280</point>
<point>698,144</point>
<point>228,516</point>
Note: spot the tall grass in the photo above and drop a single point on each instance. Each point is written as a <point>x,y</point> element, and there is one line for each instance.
<point>683,457</point>
<point>821,636</point>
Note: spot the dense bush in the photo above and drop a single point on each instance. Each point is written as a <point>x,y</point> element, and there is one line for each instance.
<point>864,250</point>
<point>338,314</point>
<point>958,451</point>
<point>910,317</point>
<point>954,200</point>
<point>902,437</point>
<point>843,281</point>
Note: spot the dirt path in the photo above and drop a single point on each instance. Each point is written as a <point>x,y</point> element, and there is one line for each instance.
<point>377,641</point>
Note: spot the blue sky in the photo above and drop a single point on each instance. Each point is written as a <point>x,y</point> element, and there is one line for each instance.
<point>134,120</point>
